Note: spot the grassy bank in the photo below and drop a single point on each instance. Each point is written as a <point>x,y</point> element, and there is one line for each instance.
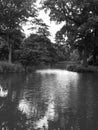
<point>6,67</point>
<point>81,68</point>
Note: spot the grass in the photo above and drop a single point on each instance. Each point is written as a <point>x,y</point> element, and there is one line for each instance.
<point>6,67</point>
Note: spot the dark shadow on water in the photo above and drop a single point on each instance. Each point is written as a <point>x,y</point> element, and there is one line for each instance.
<point>10,117</point>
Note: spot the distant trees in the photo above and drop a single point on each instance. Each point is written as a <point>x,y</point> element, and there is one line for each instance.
<point>81,23</point>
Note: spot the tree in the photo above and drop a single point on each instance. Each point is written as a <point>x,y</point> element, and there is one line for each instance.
<point>12,14</point>
<point>40,27</point>
<point>37,49</point>
<point>17,37</point>
<point>81,22</point>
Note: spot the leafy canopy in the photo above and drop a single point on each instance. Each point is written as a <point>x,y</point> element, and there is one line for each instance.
<point>80,17</point>
<point>14,12</point>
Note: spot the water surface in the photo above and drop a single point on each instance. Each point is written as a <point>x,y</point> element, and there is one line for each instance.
<point>50,99</point>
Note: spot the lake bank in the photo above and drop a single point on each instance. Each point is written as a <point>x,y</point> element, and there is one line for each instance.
<point>6,67</point>
<point>82,69</point>
<point>76,67</point>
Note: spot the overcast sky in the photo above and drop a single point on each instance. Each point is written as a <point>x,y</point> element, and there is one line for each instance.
<point>53,27</point>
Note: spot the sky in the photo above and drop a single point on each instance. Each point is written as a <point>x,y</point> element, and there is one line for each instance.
<point>53,27</point>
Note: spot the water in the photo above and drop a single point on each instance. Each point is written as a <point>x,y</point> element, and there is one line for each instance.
<point>49,100</point>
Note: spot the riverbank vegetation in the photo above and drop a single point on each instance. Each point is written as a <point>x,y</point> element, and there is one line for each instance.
<point>75,41</point>
<point>6,67</point>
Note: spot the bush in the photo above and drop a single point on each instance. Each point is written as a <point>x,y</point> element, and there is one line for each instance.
<point>6,67</point>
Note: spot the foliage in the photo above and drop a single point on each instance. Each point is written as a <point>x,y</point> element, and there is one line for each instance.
<point>81,22</point>
<point>13,12</point>
<point>3,49</point>
<point>74,55</point>
<point>16,38</point>
<point>63,52</point>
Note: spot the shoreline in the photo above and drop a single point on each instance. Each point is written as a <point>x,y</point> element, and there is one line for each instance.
<point>77,67</point>
<point>6,67</point>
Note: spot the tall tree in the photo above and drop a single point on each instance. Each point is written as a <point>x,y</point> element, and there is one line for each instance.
<point>12,14</point>
<point>37,49</point>
<point>81,22</point>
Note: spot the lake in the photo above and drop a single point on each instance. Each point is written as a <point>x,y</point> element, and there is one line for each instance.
<point>49,99</point>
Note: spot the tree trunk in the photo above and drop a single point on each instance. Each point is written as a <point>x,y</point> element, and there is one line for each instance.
<point>10,54</point>
<point>94,57</point>
<point>10,50</point>
<point>85,57</point>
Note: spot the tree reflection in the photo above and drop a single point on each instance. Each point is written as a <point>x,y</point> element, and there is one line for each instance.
<point>65,121</point>
<point>10,117</point>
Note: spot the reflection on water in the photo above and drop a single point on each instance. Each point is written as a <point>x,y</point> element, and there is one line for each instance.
<point>56,91</point>
<point>3,93</point>
<point>49,100</point>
